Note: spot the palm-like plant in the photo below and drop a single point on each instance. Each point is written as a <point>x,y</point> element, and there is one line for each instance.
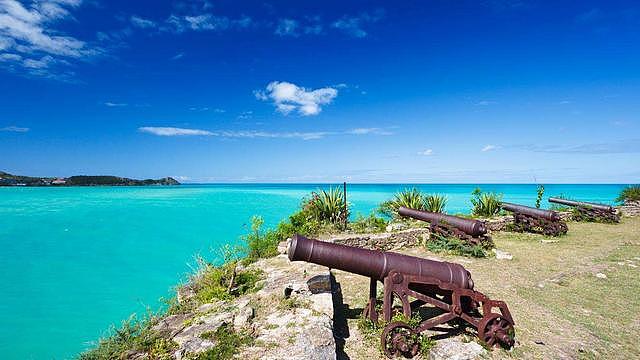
<point>410,198</point>
<point>485,204</point>
<point>328,206</point>
<point>435,203</point>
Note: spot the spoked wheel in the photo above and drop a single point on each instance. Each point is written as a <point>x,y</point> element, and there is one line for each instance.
<point>496,330</point>
<point>399,338</point>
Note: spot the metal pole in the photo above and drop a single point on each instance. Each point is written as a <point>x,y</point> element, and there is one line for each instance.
<point>344,194</point>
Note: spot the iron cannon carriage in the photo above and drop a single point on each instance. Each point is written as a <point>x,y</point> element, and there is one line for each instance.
<point>534,220</point>
<point>469,230</point>
<point>417,283</point>
<point>587,211</point>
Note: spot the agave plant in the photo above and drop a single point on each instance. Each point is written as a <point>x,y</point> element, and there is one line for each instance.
<point>630,193</point>
<point>485,204</point>
<point>410,198</point>
<point>435,203</point>
<point>328,206</point>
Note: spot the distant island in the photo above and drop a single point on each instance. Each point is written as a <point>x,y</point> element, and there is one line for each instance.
<point>7,179</point>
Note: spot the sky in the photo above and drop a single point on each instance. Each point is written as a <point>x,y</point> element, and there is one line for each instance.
<point>497,91</point>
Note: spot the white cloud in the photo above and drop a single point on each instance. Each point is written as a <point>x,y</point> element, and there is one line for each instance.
<point>287,27</point>
<point>142,23</point>
<point>173,131</point>
<point>288,97</point>
<point>352,25</point>
<point>367,131</point>
<point>28,32</point>
<point>485,103</point>
<point>253,134</point>
<point>177,56</point>
<point>114,104</point>
<point>15,129</point>
<point>489,148</point>
<point>204,22</point>
<point>427,152</point>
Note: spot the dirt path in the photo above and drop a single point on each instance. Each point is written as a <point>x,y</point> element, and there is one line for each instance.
<point>572,297</point>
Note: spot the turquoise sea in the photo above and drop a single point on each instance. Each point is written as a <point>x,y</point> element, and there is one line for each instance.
<point>74,261</point>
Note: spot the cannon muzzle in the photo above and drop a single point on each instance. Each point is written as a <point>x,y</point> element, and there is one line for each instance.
<point>374,264</point>
<point>469,226</point>
<point>535,212</point>
<point>585,204</point>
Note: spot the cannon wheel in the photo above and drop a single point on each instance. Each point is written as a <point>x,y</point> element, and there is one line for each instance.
<point>494,330</point>
<point>398,338</point>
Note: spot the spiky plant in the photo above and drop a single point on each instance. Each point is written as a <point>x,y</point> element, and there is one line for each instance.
<point>485,204</point>
<point>630,193</point>
<point>328,206</point>
<point>435,203</point>
<point>410,197</point>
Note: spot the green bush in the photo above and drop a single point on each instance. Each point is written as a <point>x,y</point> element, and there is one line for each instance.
<point>485,204</point>
<point>435,203</point>
<point>454,246</point>
<point>369,224</point>
<point>222,282</point>
<point>630,193</point>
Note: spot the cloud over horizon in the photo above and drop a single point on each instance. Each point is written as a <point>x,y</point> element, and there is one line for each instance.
<point>288,97</point>
<point>251,134</point>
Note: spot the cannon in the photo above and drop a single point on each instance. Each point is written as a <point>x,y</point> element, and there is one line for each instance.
<point>443,285</point>
<point>587,211</point>
<point>469,230</point>
<point>539,221</point>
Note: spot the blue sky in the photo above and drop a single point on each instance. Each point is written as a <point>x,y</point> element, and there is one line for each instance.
<point>291,91</point>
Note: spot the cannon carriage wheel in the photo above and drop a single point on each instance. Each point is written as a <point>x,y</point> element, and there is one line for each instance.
<point>494,329</point>
<point>398,338</point>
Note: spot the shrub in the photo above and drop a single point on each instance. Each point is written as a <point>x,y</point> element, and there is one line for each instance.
<point>369,224</point>
<point>630,193</point>
<point>260,244</point>
<point>411,198</point>
<point>435,203</point>
<point>485,204</point>
<point>454,246</point>
<point>222,282</point>
<point>327,206</point>
<point>540,193</point>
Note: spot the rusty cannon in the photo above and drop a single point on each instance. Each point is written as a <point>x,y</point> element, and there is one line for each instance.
<point>587,211</point>
<point>534,220</point>
<point>416,283</point>
<point>469,230</point>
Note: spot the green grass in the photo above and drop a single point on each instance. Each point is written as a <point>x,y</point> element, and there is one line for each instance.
<point>454,246</point>
<point>228,343</point>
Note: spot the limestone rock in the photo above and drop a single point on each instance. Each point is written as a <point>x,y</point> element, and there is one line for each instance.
<point>396,227</point>
<point>319,284</point>
<point>454,349</point>
<point>243,317</point>
<point>502,255</point>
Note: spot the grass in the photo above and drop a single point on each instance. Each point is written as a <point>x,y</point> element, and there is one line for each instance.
<point>561,309</point>
<point>228,342</point>
<point>630,193</point>
<point>133,335</point>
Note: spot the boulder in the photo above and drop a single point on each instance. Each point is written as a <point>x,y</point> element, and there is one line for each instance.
<point>454,349</point>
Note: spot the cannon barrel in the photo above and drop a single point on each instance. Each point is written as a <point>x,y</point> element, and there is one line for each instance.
<point>374,263</point>
<point>527,210</point>
<point>469,226</point>
<point>602,207</point>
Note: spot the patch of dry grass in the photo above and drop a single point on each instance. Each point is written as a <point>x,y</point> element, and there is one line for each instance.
<point>561,307</point>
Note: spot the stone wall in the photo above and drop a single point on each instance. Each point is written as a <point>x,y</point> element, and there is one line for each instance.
<point>630,208</point>
<point>382,241</point>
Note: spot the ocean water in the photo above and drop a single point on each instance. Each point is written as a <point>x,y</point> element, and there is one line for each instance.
<point>74,261</point>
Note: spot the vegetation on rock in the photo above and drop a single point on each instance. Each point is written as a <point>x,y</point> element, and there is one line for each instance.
<point>413,198</point>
